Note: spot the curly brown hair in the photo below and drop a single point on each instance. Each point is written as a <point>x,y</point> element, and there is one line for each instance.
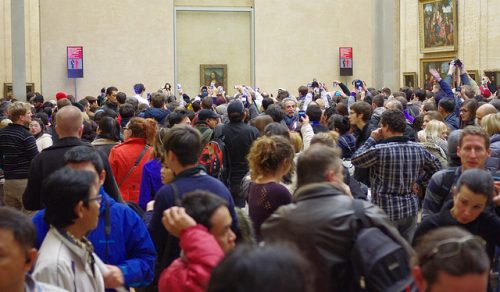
<point>143,128</point>
<point>267,154</point>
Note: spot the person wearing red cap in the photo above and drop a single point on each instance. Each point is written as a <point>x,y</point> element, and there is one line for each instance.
<point>61,95</point>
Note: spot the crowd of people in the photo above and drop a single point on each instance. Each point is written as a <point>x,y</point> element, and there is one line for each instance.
<point>251,192</point>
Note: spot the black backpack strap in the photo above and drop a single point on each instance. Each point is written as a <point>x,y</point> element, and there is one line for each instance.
<point>177,198</point>
<point>359,212</point>
<point>448,180</point>
<point>137,161</point>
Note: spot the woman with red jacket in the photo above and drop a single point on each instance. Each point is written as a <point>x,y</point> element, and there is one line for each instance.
<point>128,158</point>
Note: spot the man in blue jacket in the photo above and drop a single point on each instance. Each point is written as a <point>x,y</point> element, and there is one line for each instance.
<point>121,238</point>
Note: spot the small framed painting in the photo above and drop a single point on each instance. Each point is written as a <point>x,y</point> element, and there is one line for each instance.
<point>213,75</point>
<point>410,79</point>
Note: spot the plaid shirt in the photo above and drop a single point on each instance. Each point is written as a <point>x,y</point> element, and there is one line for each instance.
<point>395,165</point>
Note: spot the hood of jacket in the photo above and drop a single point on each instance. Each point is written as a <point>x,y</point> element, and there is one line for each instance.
<point>156,113</point>
<point>378,111</point>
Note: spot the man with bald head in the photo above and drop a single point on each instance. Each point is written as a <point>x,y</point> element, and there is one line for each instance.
<point>483,111</point>
<point>69,128</point>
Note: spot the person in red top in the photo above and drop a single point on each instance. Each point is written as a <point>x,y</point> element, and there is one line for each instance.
<point>125,159</point>
<point>204,227</point>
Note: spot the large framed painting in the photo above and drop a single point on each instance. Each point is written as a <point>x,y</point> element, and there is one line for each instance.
<point>437,25</point>
<point>441,64</point>
<point>410,79</point>
<point>8,89</point>
<point>213,75</point>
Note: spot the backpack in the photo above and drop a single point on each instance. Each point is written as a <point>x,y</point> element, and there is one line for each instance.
<point>212,158</point>
<point>378,261</point>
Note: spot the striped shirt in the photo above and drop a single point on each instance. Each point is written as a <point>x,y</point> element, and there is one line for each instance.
<point>17,149</point>
<point>395,165</point>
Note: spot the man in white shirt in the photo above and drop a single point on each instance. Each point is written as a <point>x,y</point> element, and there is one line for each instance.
<point>139,90</point>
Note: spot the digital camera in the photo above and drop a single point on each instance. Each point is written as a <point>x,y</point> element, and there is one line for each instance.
<point>357,83</point>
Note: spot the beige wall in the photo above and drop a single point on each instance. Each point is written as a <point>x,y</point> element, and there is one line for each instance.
<point>213,38</point>
<point>478,36</point>
<point>128,41</point>
<point>125,42</point>
<point>297,41</point>
<point>32,43</point>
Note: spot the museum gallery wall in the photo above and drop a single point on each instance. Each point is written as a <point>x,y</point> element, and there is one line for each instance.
<point>433,32</point>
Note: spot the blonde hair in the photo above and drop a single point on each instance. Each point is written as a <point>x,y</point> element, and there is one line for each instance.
<point>326,138</point>
<point>18,109</point>
<point>296,141</point>
<point>267,153</point>
<point>491,123</point>
<point>158,150</point>
<point>435,129</point>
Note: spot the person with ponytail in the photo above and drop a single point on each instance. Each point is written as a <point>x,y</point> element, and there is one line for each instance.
<point>269,159</point>
<point>346,141</point>
<point>127,159</point>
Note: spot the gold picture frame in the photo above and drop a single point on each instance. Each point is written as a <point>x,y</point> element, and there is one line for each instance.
<point>8,89</point>
<point>213,73</point>
<point>474,75</point>
<point>441,64</point>
<point>410,79</point>
<point>495,73</point>
<point>437,25</point>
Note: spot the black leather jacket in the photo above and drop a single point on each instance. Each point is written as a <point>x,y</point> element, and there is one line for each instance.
<point>321,223</point>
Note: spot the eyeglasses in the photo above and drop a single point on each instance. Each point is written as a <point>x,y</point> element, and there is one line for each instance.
<point>97,198</point>
<point>451,247</point>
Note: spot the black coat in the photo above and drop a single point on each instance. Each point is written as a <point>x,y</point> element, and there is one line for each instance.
<point>321,224</point>
<point>238,138</point>
<point>52,159</point>
<point>486,226</point>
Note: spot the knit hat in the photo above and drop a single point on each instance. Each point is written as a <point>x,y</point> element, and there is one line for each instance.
<point>61,95</point>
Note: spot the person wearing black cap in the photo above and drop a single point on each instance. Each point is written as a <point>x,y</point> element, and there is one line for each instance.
<point>207,121</point>
<point>238,137</point>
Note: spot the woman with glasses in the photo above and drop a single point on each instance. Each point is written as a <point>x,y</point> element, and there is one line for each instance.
<point>472,199</point>
<point>468,113</point>
<point>128,158</point>
<point>38,130</point>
